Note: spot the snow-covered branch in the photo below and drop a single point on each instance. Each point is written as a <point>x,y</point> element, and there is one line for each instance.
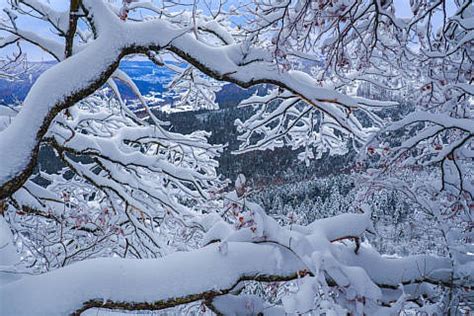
<point>235,63</point>
<point>218,268</point>
<point>176,279</point>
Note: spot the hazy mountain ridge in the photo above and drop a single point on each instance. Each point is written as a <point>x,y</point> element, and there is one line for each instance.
<point>145,74</point>
<point>259,166</point>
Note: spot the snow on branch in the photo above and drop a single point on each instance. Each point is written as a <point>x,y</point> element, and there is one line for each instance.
<point>176,279</point>
<point>215,270</point>
<point>232,63</point>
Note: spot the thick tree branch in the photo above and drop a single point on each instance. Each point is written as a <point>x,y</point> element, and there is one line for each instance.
<point>176,279</point>
<point>71,32</point>
<point>46,99</point>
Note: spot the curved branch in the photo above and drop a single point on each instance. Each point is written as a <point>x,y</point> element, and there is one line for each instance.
<point>173,280</point>
<point>95,64</point>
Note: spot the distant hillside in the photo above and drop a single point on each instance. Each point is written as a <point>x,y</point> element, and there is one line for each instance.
<point>278,166</point>
<point>270,166</point>
<point>146,75</point>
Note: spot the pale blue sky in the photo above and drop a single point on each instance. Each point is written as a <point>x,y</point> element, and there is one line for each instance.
<point>35,54</point>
